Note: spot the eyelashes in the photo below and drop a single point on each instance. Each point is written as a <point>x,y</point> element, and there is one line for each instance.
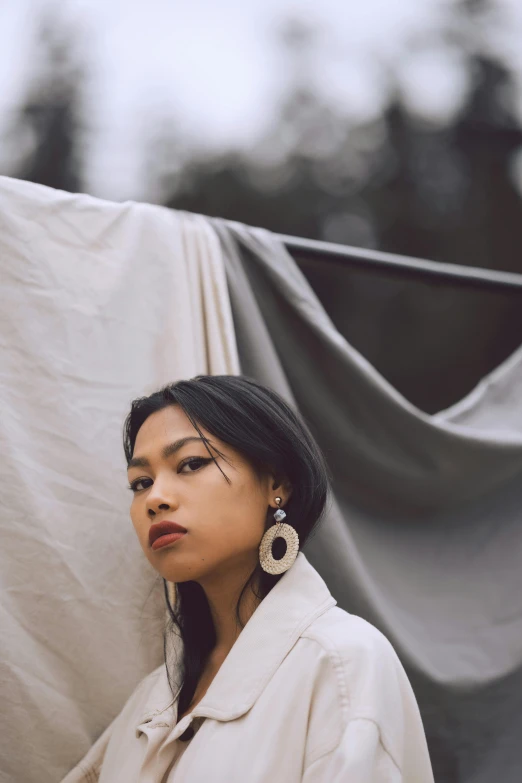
<point>133,486</point>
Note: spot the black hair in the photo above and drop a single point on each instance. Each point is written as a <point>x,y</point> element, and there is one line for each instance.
<point>258,423</point>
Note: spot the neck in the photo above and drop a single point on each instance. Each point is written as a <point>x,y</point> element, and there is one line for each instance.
<point>222,592</point>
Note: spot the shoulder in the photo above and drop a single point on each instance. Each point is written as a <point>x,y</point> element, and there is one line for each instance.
<point>339,631</point>
<point>359,654</point>
<point>358,675</point>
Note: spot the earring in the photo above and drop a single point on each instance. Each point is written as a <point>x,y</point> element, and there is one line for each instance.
<point>280,530</point>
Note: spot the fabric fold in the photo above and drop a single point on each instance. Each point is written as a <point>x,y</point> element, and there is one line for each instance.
<point>423,536</point>
<point>101,303</point>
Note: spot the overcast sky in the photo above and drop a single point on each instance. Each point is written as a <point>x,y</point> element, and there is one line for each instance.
<point>214,65</point>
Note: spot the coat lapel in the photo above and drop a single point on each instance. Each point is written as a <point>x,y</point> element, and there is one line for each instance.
<point>300,596</point>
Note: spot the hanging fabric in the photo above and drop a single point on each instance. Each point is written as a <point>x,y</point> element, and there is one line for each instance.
<point>423,536</point>
<point>101,303</point>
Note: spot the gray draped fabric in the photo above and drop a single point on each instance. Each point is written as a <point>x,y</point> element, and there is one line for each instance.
<point>423,535</point>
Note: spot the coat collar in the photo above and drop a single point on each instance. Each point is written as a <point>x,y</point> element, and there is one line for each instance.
<point>300,596</point>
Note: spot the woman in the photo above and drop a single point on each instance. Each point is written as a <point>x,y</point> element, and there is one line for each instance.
<point>265,679</point>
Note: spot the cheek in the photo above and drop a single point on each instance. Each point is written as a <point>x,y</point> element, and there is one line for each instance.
<point>237,521</point>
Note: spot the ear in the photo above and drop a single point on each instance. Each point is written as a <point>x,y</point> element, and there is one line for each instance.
<point>282,487</point>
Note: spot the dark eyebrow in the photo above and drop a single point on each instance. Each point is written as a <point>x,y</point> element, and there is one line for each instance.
<point>168,450</point>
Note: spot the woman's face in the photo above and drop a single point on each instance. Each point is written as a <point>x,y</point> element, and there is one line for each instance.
<point>225,521</point>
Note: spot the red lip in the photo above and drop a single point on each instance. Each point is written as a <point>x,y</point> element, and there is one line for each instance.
<point>171,538</point>
<point>164,528</point>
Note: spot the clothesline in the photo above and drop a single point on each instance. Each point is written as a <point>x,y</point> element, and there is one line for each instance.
<point>362,257</point>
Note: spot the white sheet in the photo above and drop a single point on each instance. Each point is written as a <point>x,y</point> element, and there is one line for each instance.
<point>101,303</point>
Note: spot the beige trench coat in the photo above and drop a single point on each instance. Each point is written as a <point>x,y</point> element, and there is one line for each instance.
<point>308,694</point>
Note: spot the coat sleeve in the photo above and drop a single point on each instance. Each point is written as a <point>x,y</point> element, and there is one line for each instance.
<point>359,757</point>
<point>87,770</point>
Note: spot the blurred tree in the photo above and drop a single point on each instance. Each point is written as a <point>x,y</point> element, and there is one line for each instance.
<point>282,182</point>
<point>47,131</point>
<point>449,193</point>
<point>398,183</point>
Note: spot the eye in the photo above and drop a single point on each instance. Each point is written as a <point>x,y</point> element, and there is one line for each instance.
<point>134,484</point>
<point>190,461</point>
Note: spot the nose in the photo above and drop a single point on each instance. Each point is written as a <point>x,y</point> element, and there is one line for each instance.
<point>154,508</point>
<point>161,496</point>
